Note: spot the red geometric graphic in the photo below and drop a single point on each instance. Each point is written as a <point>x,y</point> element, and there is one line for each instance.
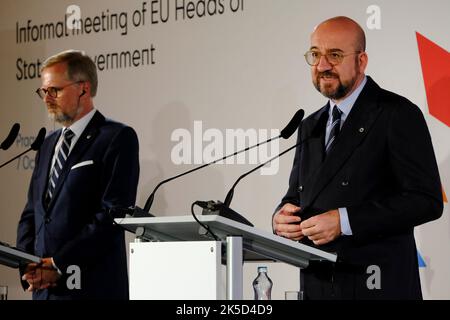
<point>435,63</point>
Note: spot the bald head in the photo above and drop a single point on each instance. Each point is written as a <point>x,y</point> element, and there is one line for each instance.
<point>339,45</point>
<point>348,28</point>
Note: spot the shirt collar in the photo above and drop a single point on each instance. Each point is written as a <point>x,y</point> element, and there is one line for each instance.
<point>81,124</point>
<point>346,105</point>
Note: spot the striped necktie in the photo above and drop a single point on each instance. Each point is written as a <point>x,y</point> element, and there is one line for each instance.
<point>58,166</point>
<point>335,127</point>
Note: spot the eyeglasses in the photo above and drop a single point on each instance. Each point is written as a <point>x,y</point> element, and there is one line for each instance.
<point>312,57</point>
<point>53,91</point>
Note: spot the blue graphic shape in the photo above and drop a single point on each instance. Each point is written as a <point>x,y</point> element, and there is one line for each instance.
<point>422,263</point>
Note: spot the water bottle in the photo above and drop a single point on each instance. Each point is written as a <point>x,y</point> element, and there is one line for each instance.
<point>262,285</point>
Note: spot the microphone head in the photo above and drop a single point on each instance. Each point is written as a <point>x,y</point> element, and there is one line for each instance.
<point>39,140</point>
<point>293,124</point>
<point>11,137</point>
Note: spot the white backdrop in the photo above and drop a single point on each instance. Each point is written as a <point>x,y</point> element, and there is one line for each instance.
<point>203,77</point>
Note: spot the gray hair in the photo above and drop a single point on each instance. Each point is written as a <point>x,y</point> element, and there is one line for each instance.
<point>80,67</point>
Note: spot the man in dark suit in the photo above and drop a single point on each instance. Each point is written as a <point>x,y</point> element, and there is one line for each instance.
<point>363,178</point>
<point>82,170</point>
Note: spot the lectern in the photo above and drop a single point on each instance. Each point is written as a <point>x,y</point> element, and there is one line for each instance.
<point>176,258</point>
<point>13,257</point>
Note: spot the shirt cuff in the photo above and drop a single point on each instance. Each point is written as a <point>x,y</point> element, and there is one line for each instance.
<point>57,269</point>
<point>345,223</point>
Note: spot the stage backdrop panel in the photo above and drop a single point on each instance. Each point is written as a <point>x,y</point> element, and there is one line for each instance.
<point>198,79</point>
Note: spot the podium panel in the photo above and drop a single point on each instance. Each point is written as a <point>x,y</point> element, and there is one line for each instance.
<point>181,261</point>
<point>187,270</point>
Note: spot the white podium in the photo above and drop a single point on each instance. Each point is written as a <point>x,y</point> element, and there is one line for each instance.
<point>180,260</point>
<point>175,270</point>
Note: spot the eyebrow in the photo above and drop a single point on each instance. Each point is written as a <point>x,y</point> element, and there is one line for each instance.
<point>329,50</point>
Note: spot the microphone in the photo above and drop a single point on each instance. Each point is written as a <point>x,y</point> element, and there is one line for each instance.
<point>39,140</point>
<point>285,134</point>
<point>223,208</point>
<point>9,140</point>
<point>230,193</point>
<point>315,132</point>
<point>34,146</point>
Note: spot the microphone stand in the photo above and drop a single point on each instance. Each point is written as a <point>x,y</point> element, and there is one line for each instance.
<point>230,193</point>
<point>285,134</point>
<point>152,195</point>
<point>34,146</point>
<point>223,209</point>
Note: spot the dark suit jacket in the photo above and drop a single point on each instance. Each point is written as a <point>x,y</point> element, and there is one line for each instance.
<point>382,168</point>
<point>76,229</point>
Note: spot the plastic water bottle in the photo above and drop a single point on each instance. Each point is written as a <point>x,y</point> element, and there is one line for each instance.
<point>262,285</point>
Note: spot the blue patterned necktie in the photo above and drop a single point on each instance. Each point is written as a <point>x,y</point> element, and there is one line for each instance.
<point>335,127</point>
<point>58,166</point>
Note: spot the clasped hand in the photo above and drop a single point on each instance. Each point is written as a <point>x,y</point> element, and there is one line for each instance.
<point>41,275</point>
<point>320,229</point>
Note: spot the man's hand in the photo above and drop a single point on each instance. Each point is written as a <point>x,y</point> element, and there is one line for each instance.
<point>323,228</point>
<point>286,224</point>
<point>41,275</point>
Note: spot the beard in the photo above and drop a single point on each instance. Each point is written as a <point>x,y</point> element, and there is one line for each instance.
<point>66,119</point>
<point>331,91</point>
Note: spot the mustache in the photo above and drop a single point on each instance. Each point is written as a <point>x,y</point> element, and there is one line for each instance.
<point>327,73</point>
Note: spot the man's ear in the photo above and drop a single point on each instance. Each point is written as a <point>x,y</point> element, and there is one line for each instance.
<point>363,60</point>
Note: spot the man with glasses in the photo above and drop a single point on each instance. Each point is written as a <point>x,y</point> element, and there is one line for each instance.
<point>82,170</point>
<point>363,178</point>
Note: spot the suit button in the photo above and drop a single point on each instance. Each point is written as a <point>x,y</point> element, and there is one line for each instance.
<point>344,183</point>
<point>47,220</point>
<point>300,188</point>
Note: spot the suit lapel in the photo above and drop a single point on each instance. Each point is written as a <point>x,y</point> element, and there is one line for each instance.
<point>312,154</point>
<point>46,156</point>
<point>356,127</point>
<point>87,137</point>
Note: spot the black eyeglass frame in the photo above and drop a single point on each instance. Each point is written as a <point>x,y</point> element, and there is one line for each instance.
<point>53,91</point>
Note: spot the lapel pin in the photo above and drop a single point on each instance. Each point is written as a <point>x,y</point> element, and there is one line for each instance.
<point>361,130</point>
<point>88,137</point>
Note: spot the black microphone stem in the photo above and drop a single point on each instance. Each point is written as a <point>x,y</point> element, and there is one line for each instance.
<point>230,193</point>
<point>149,202</point>
<point>34,146</point>
<point>18,156</point>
